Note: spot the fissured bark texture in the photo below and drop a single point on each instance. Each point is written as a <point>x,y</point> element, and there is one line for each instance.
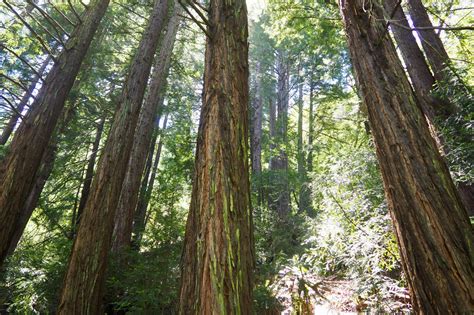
<point>434,234</point>
<point>217,260</point>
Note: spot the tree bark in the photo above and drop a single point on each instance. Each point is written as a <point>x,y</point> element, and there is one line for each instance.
<point>143,136</point>
<point>433,231</point>
<point>217,261</point>
<point>46,168</point>
<point>304,197</point>
<point>311,125</point>
<point>86,185</point>
<point>256,135</point>
<point>84,281</point>
<point>423,81</point>
<point>139,220</point>
<point>10,126</point>
<point>19,168</point>
<point>417,68</point>
<point>432,44</point>
<point>280,195</point>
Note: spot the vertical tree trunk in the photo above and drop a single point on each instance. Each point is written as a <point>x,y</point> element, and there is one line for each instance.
<point>433,231</point>
<point>143,135</point>
<point>299,148</point>
<point>47,165</point>
<point>280,195</point>
<point>432,44</point>
<point>18,169</point>
<point>86,185</point>
<point>304,201</point>
<point>84,281</point>
<point>10,126</point>
<point>256,135</point>
<point>217,261</point>
<point>311,125</point>
<point>139,220</point>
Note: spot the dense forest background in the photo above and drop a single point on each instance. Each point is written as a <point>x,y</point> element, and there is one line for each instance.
<point>323,236</point>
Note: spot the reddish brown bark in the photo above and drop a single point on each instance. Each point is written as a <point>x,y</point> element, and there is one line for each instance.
<point>84,281</point>
<point>143,136</point>
<point>279,200</point>
<point>432,44</point>
<point>433,231</point>
<point>417,68</point>
<point>256,135</point>
<point>19,168</point>
<point>86,185</point>
<point>140,216</point>
<point>47,165</point>
<point>12,122</point>
<point>216,275</point>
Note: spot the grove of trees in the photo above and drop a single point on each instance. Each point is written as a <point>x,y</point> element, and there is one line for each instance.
<point>236,157</point>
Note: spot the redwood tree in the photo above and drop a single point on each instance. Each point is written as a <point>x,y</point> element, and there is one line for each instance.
<point>217,260</point>
<point>84,281</point>
<point>19,168</point>
<point>143,135</point>
<point>434,234</point>
<point>432,44</point>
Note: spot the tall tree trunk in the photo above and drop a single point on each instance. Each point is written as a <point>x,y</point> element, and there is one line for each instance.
<point>256,135</point>
<point>10,126</point>
<point>84,281</point>
<point>143,136</point>
<point>423,81</point>
<point>280,195</point>
<point>47,165</point>
<point>217,261</point>
<point>432,44</point>
<point>433,231</point>
<point>18,169</point>
<point>304,201</point>
<point>86,185</point>
<point>311,125</point>
<point>139,220</point>
<point>417,68</point>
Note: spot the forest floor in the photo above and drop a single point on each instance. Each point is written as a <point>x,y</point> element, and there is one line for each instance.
<point>299,292</point>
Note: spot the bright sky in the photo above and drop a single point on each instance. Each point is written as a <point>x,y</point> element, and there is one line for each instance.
<point>255,7</point>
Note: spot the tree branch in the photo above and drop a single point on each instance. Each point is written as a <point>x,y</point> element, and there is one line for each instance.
<point>23,60</point>
<point>43,44</point>
<point>11,106</point>
<point>17,83</point>
<point>78,17</point>
<point>57,39</point>
<point>49,19</point>
<point>194,19</point>
<point>423,28</point>
<point>61,13</point>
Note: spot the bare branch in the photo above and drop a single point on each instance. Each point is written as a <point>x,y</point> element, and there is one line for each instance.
<point>57,39</point>
<point>194,19</point>
<point>43,44</point>
<point>131,11</point>
<point>423,28</point>
<point>203,18</point>
<point>17,83</point>
<point>49,19</point>
<point>201,6</point>
<point>78,17</point>
<point>61,13</point>
<point>11,106</point>
<point>23,60</point>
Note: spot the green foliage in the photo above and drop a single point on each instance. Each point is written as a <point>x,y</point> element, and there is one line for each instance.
<point>347,234</point>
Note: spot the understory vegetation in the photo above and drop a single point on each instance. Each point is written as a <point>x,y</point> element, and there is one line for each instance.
<point>323,232</point>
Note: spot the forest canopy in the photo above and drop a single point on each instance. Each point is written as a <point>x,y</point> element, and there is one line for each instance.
<point>233,157</point>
